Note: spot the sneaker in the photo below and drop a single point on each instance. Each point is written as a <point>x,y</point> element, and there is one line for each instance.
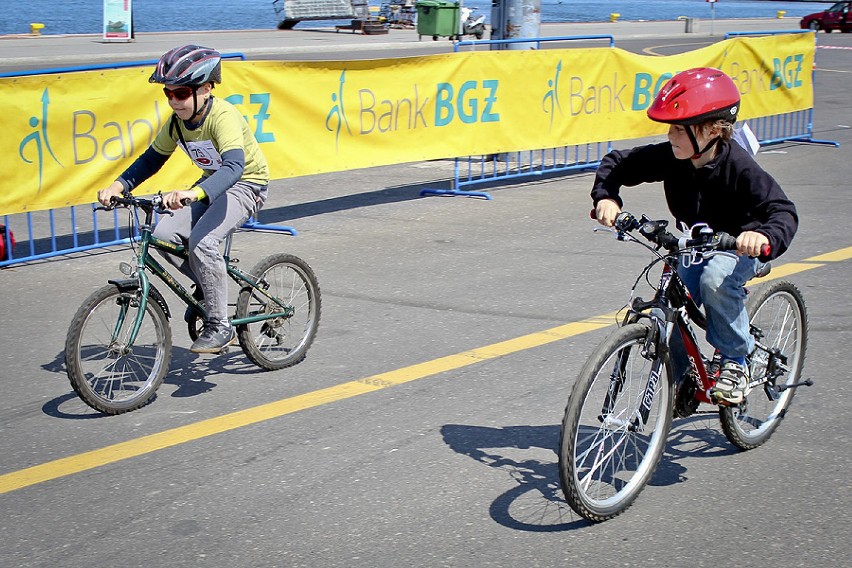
<point>732,384</point>
<point>214,340</point>
<point>191,314</point>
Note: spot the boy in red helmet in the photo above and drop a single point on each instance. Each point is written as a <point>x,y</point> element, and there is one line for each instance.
<point>708,179</point>
<point>232,187</point>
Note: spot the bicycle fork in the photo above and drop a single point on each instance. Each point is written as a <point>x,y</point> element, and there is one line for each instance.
<point>141,286</point>
<point>639,417</point>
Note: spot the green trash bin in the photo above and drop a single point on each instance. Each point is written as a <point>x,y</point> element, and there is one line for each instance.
<point>437,18</point>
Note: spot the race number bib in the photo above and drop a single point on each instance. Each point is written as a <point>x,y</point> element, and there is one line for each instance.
<point>203,154</point>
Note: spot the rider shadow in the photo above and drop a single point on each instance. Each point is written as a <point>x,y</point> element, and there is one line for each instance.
<point>528,455</point>
<point>189,373</point>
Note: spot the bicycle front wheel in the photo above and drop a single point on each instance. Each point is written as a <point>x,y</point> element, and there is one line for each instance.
<point>281,341</point>
<point>780,320</point>
<point>615,426</point>
<point>105,371</point>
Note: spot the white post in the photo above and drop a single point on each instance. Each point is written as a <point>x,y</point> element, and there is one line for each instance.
<point>712,16</point>
<point>516,19</point>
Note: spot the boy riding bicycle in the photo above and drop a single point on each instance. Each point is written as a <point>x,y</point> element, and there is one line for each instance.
<point>708,179</point>
<point>232,187</point>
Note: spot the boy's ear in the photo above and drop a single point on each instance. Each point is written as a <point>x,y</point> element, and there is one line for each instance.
<point>711,130</point>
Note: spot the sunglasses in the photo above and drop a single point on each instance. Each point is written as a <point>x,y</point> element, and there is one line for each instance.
<point>181,93</point>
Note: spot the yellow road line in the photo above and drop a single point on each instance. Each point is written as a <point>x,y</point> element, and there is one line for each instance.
<point>147,444</point>
<point>835,256</point>
<point>786,270</point>
<point>139,446</point>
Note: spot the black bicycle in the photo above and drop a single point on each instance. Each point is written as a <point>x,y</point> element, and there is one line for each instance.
<point>119,345</point>
<point>621,407</point>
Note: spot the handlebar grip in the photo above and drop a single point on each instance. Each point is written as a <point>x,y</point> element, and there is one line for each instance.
<point>592,214</point>
<point>726,242</point>
<point>185,201</point>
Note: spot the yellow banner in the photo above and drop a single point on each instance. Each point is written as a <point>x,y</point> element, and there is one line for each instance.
<point>66,136</point>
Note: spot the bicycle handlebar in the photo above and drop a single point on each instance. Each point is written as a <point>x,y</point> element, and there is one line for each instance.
<point>655,231</point>
<point>154,204</point>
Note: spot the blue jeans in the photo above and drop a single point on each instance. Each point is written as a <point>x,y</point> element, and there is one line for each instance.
<point>719,284</point>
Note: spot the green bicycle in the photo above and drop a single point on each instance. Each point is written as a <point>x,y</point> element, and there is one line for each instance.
<point>119,346</point>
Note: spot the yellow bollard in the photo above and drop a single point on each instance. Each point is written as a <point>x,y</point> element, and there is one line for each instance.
<point>613,17</point>
<point>780,14</point>
<point>35,28</point>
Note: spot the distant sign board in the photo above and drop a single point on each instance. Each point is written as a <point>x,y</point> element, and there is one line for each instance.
<point>118,20</point>
<point>313,9</point>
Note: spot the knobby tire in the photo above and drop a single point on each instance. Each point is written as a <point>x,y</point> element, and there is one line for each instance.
<point>283,341</point>
<point>603,466</point>
<point>106,374</point>
<point>778,310</point>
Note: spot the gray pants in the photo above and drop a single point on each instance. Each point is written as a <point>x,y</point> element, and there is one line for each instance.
<point>202,227</point>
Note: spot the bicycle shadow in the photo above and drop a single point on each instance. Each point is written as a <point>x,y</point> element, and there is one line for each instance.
<point>528,455</point>
<point>189,373</point>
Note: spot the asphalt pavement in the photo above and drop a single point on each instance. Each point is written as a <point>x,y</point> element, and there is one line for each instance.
<point>421,428</point>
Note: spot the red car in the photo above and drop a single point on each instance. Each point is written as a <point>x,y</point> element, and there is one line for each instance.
<point>835,18</point>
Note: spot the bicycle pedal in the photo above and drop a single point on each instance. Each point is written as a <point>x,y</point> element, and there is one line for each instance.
<point>718,400</point>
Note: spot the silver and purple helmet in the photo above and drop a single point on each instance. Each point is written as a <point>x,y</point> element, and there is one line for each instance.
<point>189,65</point>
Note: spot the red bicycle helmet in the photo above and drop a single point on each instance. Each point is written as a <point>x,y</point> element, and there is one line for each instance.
<point>695,96</point>
<point>188,65</point>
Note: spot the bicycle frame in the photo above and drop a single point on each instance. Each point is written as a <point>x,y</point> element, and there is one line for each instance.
<point>671,309</point>
<point>144,260</point>
<point>674,301</point>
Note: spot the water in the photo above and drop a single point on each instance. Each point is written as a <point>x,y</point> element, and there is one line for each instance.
<point>86,16</point>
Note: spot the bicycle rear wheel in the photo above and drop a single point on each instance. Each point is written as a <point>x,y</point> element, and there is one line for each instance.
<point>105,373</point>
<point>282,341</point>
<point>607,452</point>
<point>779,316</point>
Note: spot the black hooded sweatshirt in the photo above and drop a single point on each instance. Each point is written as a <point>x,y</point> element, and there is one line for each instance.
<point>731,193</point>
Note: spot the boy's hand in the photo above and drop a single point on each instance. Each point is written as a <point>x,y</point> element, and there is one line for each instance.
<point>750,243</point>
<point>173,199</point>
<point>606,212</point>
<point>114,190</point>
